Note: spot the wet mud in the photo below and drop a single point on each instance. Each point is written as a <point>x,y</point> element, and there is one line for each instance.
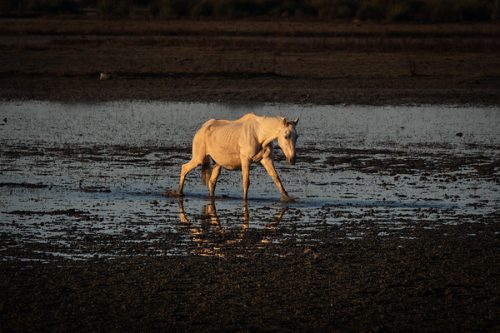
<point>395,225</point>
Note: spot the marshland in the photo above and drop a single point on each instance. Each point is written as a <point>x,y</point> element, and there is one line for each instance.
<point>395,225</point>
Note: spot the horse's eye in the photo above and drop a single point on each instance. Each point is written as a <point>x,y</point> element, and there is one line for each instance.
<point>287,136</point>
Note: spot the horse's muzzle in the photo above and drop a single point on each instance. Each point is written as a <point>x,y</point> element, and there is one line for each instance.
<point>291,161</point>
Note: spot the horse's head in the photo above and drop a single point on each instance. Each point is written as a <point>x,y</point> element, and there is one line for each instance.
<point>286,139</point>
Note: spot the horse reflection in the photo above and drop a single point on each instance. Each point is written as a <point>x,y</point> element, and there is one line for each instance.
<point>211,238</point>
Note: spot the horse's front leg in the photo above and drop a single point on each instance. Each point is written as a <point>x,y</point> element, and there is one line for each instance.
<point>245,172</point>
<point>267,163</point>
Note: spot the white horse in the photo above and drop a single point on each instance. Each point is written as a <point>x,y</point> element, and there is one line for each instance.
<point>236,144</point>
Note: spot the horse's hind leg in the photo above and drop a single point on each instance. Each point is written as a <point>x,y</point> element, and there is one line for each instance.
<point>213,180</point>
<point>186,168</point>
<point>198,155</point>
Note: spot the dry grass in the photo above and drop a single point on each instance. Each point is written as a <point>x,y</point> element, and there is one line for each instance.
<point>294,28</point>
<point>282,60</point>
<point>265,35</point>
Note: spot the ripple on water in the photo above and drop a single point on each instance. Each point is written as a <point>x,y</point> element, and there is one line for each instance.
<point>82,181</point>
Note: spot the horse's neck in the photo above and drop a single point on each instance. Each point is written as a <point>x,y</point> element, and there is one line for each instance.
<point>268,129</point>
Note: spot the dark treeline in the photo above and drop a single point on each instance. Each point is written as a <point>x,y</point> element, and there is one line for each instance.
<point>380,10</point>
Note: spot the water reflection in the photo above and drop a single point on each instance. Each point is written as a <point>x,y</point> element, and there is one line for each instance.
<point>213,234</point>
<point>359,167</point>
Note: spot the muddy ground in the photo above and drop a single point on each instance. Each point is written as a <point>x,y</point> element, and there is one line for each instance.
<point>390,232</point>
<point>443,280</point>
<point>250,61</point>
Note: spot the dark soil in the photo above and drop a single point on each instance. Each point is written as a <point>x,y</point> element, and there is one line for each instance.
<point>445,280</point>
<point>249,62</point>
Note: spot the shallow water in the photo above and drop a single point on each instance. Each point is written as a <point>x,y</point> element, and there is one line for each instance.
<point>85,180</point>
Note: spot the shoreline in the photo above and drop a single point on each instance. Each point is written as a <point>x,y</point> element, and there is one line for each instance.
<point>93,94</point>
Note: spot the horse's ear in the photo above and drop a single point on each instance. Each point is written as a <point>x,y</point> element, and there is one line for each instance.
<point>295,122</point>
<point>285,122</point>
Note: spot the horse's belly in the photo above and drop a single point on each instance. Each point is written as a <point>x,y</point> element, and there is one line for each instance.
<point>227,161</point>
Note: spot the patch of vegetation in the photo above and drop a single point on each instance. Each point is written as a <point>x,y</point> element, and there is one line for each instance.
<point>378,10</point>
<point>30,7</point>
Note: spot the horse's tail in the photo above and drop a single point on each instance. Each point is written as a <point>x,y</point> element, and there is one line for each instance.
<point>206,170</point>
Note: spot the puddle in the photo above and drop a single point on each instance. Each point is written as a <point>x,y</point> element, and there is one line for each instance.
<point>87,180</point>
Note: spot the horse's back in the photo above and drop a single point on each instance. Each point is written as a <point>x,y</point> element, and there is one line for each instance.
<point>217,123</point>
<point>221,129</point>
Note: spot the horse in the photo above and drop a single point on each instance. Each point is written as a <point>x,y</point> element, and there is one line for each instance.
<point>235,144</point>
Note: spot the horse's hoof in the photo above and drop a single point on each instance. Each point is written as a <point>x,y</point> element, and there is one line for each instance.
<point>287,199</point>
<point>174,194</point>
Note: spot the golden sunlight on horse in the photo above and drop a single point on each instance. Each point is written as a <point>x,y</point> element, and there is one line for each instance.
<point>235,144</point>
